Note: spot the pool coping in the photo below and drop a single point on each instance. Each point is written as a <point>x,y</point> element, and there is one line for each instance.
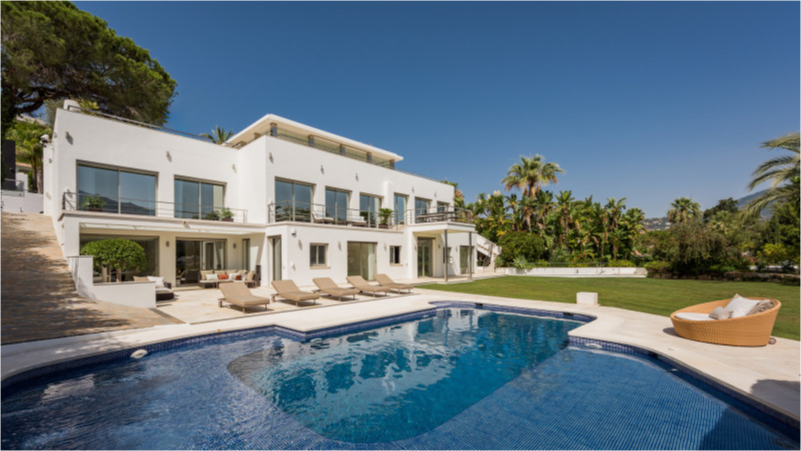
<point>77,355</point>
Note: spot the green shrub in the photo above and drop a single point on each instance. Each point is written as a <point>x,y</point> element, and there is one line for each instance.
<point>521,244</point>
<point>621,264</point>
<point>122,255</point>
<point>657,267</point>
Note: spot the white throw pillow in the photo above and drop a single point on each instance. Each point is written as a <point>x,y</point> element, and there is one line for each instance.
<point>212,277</point>
<point>720,313</point>
<point>159,281</point>
<point>740,306</point>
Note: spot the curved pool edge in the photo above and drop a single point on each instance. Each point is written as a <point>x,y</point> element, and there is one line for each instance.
<point>555,310</point>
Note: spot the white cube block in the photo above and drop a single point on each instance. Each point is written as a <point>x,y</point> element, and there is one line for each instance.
<point>587,298</point>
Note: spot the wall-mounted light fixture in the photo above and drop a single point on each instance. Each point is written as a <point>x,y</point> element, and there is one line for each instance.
<point>234,245</point>
<point>294,232</point>
<point>167,243</point>
<point>233,166</point>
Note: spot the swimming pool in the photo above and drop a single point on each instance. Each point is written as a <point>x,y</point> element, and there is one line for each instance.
<point>456,376</point>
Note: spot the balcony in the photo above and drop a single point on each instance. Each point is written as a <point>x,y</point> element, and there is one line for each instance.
<point>140,207</point>
<point>327,215</point>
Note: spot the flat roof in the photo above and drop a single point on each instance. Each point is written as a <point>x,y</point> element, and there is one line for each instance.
<point>262,127</point>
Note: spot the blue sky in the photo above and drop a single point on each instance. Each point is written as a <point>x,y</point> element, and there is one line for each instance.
<point>648,101</point>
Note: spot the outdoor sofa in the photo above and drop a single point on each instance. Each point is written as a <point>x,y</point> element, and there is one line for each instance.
<point>163,289</point>
<point>213,278</point>
<point>753,329</point>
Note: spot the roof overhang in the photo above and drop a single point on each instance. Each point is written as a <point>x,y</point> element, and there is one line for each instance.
<point>262,127</point>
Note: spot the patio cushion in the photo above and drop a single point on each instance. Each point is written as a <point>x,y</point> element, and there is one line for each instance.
<point>223,276</point>
<point>763,306</point>
<point>694,316</point>
<point>159,281</point>
<point>204,275</point>
<point>213,277</point>
<point>720,313</point>
<point>740,306</point>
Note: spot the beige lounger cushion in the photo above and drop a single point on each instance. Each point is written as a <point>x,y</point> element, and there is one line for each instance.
<point>239,294</point>
<point>359,283</point>
<point>288,289</point>
<point>385,281</point>
<point>328,286</point>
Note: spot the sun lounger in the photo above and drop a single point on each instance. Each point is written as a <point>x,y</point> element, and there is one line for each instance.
<point>237,293</point>
<point>329,287</point>
<point>750,330</point>
<point>288,290</point>
<point>360,284</point>
<point>385,281</point>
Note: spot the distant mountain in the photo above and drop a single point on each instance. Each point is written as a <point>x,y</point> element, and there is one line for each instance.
<point>741,202</point>
<point>656,224</point>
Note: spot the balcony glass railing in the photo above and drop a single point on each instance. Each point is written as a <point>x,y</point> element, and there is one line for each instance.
<point>322,214</point>
<point>142,207</point>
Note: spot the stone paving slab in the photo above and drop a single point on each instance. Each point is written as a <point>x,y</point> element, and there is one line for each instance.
<point>38,295</point>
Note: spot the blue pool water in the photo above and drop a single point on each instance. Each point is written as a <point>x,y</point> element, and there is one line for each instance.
<point>458,378</point>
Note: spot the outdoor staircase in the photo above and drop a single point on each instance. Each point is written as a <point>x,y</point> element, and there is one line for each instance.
<point>489,249</point>
<point>38,296</point>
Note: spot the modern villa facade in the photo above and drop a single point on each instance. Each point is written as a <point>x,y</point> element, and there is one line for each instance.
<point>280,198</point>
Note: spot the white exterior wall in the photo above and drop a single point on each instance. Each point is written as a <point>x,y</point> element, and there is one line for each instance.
<point>249,176</point>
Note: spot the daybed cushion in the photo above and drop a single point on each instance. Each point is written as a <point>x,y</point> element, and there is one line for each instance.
<point>694,316</point>
<point>204,275</point>
<point>740,306</point>
<point>720,313</point>
<point>159,281</point>
<point>763,306</point>
<point>163,290</point>
<point>212,277</point>
<point>223,276</point>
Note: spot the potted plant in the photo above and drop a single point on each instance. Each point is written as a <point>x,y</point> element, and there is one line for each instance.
<point>212,216</point>
<point>226,215</point>
<point>93,203</point>
<point>383,216</point>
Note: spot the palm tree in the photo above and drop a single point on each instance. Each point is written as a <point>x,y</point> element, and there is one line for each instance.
<point>615,209</point>
<point>782,172</point>
<point>27,136</point>
<point>531,174</point>
<point>564,201</point>
<point>684,209</point>
<point>218,135</point>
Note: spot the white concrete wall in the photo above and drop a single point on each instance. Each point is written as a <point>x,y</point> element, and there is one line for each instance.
<point>83,138</point>
<point>17,202</point>
<point>132,294</point>
<point>323,170</point>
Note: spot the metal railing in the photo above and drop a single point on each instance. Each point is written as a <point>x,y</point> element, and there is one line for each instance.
<point>137,123</point>
<point>331,215</point>
<point>143,207</point>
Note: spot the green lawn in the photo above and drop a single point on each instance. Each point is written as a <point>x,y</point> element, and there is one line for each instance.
<point>657,296</point>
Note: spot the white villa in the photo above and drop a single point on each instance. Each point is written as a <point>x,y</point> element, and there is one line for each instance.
<point>283,199</point>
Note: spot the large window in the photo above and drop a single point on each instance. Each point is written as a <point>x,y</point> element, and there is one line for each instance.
<point>361,259</point>
<point>400,209</point>
<point>293,201</point>
<point>336,205</point>
<point>442,207</point>
<point>198,200</point>
<point>368,209</point>
<point>114,190</point>
<point>317,255</point>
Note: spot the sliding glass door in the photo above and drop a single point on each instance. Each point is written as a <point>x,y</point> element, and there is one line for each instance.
<point>197,200</point>
<point>362,259</point>
<point>112,190</point>
<point>193,256</point>
<point>293,201</point>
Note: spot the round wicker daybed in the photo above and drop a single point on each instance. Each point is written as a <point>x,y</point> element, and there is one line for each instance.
<point>751,330</point>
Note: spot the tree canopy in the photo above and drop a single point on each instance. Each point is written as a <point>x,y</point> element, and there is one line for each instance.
<point>218,135</point>
<point>782,172</point>
<point>53,50</point>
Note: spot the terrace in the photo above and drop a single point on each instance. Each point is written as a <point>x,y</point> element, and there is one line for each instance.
<point>334,215</point>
